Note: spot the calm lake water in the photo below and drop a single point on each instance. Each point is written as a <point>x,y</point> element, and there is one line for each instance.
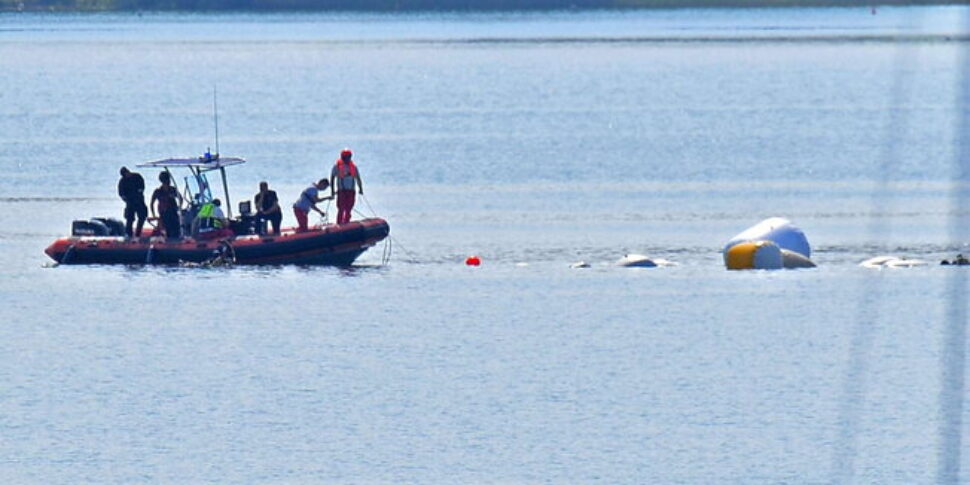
<point>533,140</point>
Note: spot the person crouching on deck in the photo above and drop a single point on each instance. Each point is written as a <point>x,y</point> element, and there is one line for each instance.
<point>210,222</point>
<point>169,200</point>
<point>308,200</point>
<point>342,178</point>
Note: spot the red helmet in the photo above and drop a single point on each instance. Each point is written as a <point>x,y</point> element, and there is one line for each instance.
<point>346,154</point>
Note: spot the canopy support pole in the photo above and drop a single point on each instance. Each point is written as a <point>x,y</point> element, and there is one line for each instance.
<point>225,187</point>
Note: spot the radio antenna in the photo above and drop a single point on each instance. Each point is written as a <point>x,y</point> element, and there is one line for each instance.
<point>215,116</point>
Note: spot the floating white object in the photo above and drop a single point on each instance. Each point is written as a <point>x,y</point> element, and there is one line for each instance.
<point>636,261</point>
<point>579,264</point>
<point>777,230</point>
<point>773,243</point>
<point>906,263</point>
<point>892,262</point>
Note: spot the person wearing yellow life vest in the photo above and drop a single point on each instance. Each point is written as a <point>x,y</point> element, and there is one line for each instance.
<point>210,221</point>
<point>343,177</point>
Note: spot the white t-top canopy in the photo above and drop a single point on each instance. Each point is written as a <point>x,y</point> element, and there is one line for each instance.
<point>203,163</point>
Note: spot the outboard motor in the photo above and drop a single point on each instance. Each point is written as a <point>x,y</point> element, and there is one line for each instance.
<point>92,227</point>
<point>98,226</point>
<point>115,227</point>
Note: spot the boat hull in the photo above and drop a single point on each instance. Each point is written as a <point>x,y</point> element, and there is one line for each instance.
<point>337,245</point>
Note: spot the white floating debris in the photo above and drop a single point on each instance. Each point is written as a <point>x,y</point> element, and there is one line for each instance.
<point>579,264</point>
<point>892,262</point>
<point>636,261</point>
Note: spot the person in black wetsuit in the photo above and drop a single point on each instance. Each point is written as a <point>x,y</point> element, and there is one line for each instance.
<point>267,208</point>
<point>131,189</point>
<point>960,260</point>
<point>169,200</point>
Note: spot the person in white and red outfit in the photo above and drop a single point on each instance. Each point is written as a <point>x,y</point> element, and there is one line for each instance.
<point>343,178</point>
<point>308,200</point>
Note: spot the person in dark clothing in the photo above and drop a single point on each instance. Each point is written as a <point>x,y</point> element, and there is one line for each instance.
<point>131,189</point>
<point>960,260</point>
<point>169,200</point>
<point>267,208</point>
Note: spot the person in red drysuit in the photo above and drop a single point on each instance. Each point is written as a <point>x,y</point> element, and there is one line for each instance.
<point>343,179</point>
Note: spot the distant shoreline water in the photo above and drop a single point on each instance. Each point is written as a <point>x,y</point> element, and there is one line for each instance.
<point>430,5</point>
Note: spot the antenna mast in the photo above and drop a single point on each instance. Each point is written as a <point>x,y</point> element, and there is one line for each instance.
<point>215,116</point>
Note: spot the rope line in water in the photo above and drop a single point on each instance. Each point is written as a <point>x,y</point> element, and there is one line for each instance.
<point>386,256</point>
<point>386,252</point>
<point>390,239</point>
<point>372,211</point>
<point>409,254</point>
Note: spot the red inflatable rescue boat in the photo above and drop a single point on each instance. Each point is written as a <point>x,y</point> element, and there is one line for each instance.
<point>102,241</point>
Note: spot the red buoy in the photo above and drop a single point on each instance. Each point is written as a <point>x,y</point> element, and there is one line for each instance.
<point>473,261</point>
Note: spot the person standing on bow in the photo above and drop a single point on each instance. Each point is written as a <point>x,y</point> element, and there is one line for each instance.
<point>169,200</point>
<point>342,179</point>
<point>131,189</point>
<point>308,200</point>
<point>268,208</point>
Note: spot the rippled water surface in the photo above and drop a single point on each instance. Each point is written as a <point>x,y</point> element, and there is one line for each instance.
<point>534,140</point>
